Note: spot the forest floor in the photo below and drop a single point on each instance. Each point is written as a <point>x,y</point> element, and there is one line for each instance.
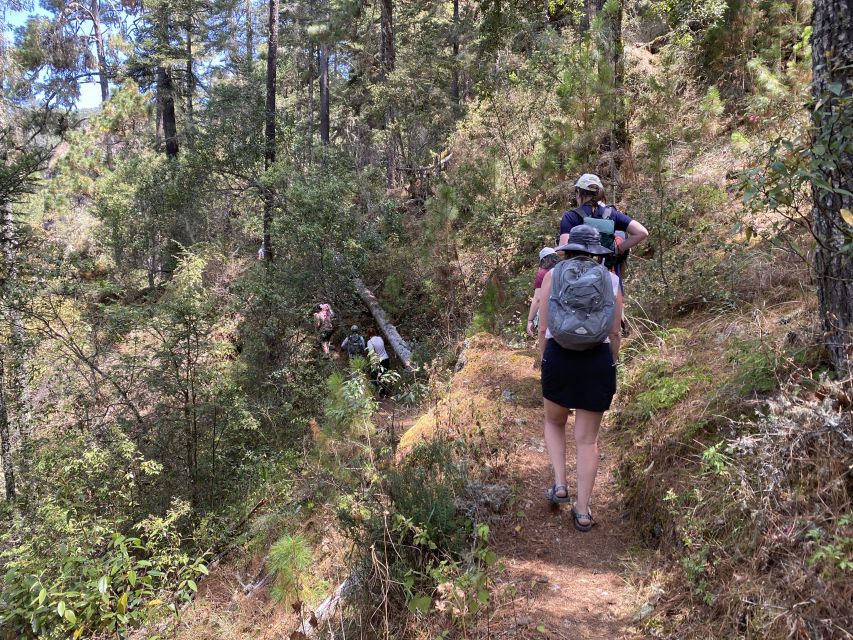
<point>553,581</point>
<point>567,584</point>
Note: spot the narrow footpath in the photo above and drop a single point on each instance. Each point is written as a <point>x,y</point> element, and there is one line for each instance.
<point>551,581</point>
<point>556,582</point>
<point>568,583</point>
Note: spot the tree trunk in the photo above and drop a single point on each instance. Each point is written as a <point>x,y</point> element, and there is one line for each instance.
<point>312,623</point>
<point>269,130</point>
<point>21,402</point>
<point>400,347</point>
<point>388,59</point>
<point>310,109</point>
<point>158,125</point>
<point>623,140</point>
<point>832,89</point>
<point>250,45</point>
<point>454,82</point>
<point>166,95</point>
<point>388,55</point>
<point>102,73</point>
<point>5,442</point>
<point>99,45</point>
<point>324,93</point>
<point>190,84</point>
<point>590,10</point>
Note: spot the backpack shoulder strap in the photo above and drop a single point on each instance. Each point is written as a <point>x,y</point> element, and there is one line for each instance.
<point>603,213</point>
<point>578,211</point>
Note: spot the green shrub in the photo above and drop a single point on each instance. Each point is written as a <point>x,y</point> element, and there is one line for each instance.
<point>417,548</point>
<point>755,366</point>
<point>663,389</point>
<point>711,106</point>
<point>106,583</point>
<point>740,142</point>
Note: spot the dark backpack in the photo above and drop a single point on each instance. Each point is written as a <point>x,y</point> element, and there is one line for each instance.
<point>582,304</point>
<point>355,345</point>
<point>601,220</point>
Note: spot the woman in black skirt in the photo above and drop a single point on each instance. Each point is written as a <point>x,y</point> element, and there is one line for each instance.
<point>581,380</point>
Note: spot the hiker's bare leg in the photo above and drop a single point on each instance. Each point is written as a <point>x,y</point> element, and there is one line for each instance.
<point>555,439</point>
<point>587,424</point>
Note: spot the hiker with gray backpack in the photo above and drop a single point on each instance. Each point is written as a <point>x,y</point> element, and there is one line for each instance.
<point>354,343</point>
<point>579,339</point>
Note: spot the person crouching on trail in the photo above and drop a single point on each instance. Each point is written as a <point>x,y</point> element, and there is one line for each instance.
<point>323,316</point>
<point>579,339</point>
<point>379,363</point>
<point>354,344</point>
<point>591,209</point>
<point>547,259</point>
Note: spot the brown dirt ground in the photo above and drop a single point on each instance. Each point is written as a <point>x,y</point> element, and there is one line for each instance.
<point>556,582</point>
<point>567,584</point>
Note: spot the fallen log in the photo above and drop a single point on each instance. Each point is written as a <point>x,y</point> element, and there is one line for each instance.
<point>312,622</point>
<point>395,341</point>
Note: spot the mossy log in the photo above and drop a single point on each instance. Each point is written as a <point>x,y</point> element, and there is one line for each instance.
<point>395,341</point>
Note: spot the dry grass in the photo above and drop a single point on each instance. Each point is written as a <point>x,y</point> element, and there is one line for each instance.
<point>743,484</point>
<point>490,371</point>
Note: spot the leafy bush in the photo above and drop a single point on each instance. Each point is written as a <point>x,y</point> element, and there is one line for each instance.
<point>105,583</point>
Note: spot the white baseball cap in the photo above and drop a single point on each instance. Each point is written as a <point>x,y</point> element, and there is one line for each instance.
<point>547,251</point>
<point>589,182</point>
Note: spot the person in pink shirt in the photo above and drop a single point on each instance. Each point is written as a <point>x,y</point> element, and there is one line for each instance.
<point>323,316</point>
<point>547,259</point>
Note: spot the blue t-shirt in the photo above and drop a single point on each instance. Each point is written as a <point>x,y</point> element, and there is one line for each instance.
<point>573,218</point>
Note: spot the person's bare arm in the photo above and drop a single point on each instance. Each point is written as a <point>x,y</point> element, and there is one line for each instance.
<point>616,326</point>
<point>636,233</point>
<point>531,313</point>
<point>544,294</point>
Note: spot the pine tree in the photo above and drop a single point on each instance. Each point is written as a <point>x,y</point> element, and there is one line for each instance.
<point>269,124</point>
<point>832,90</point>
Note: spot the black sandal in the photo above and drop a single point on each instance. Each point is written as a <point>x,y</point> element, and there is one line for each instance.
<point>552,496</point>
<point>577,517</point>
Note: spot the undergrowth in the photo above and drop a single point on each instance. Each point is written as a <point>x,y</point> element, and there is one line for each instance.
<point>419,541</point>
<point>736,467</point>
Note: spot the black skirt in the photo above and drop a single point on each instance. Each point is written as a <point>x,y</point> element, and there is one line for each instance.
<point>578,379</point>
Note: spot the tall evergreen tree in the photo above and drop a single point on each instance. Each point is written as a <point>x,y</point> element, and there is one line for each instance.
<point>269,124</point>
<point>388,56</point>
<point>6,441</point>
<point>87,22</point>
<point>832,90</point>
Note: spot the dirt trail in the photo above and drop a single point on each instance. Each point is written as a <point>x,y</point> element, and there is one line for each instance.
<point>557,582</point>
<point>566,581</point>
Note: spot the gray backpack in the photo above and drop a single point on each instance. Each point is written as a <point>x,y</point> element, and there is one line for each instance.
<point>582,304</point>
<point>355,345</point>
